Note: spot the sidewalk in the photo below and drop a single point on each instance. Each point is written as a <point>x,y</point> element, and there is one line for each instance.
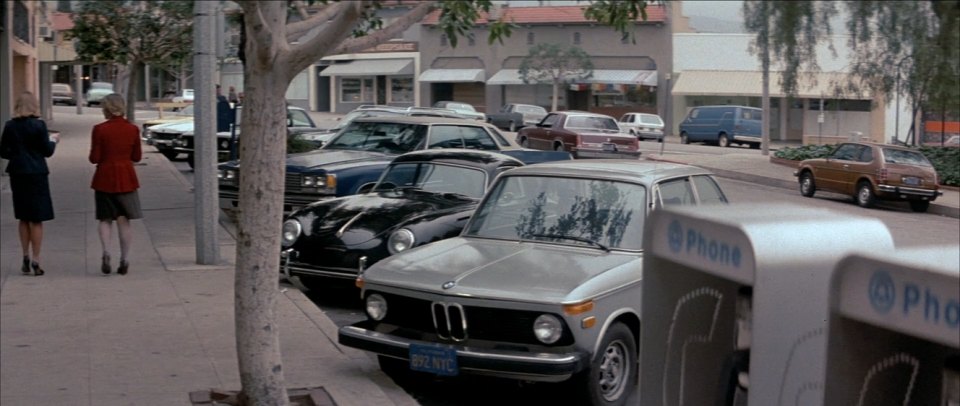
<point>76,337</point>
<point>750,166</point>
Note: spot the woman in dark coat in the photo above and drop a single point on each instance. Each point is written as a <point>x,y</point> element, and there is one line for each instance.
<point>114,147</point>
<point>27,144</point>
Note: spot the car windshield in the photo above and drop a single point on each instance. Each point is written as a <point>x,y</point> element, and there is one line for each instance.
<point>188,111</point>
<point>61,88</point>
<point>393,138</point>
<point>101,86</point>
<point>459,107</point>
<point>435,177</point>
<point>592,123</point>
<point>589,212</point>
<point>531,110</point>
<point>904,157</point>
<point>654,120</point>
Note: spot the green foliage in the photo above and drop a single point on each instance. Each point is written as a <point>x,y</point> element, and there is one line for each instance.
<point>619,14</point>
<point>115,31</point>
<point>457,18</point>
<point>554,63</point>
<point>805,152</point>
<point>946,160</point>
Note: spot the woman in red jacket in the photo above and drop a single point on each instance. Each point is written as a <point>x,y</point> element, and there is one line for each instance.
<point>114,147</point>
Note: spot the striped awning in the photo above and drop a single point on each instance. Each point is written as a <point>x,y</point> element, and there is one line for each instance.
<point>750,83</point>
<point>453,75</point>
<point>370,67</point>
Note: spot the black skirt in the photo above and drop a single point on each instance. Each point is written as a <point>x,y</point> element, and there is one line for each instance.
<point>31,197</point>
<point>109,206</point>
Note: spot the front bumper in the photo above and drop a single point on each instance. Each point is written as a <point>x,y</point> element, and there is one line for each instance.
<point>649,135</point>
<point>533,366</point>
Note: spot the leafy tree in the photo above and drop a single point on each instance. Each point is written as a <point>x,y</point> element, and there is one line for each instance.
<point>898,47</point>
<point>130,33</point>
<point>557,65</point>
<point>271,60</point>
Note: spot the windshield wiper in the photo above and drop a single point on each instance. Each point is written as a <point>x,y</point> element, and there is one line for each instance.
<point>574,238</point>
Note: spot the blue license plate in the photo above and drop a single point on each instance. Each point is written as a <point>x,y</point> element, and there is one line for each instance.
<point>911,180</point>
<point>433,359</point>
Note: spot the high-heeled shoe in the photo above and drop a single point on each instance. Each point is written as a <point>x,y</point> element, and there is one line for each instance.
<point>37,270</point>
<point>123,268</point>
<point>26,265</point>
<point>105,264</point>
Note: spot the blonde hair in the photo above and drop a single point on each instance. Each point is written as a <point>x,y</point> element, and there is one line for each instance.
<point>26,105</point>
<point>113,103</point>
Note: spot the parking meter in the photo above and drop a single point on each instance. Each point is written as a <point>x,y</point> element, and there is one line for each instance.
<point>894,329</point>
<point>734,304</point>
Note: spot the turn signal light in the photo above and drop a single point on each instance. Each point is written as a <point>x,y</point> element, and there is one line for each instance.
<point>359,283</point>
<point>588,322</point>
<point>579,308</point>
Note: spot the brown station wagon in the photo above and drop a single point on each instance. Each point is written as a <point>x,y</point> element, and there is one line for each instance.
<point>869,171</point>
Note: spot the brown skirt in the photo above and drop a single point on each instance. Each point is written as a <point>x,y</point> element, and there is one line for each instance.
<point>113,205</point>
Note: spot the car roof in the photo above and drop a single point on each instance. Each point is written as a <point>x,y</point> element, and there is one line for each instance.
<point>471,157</point>
<point>627,170</point>
<point>727,105</point>
<point>879,145</point>
<point>582,114</point>
<point>421,120</point>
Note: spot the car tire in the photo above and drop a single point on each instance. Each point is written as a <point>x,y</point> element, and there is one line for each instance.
<point>807,185</point>
<point>723,141</point>
<point>612,375</point>
<point>513,127</point>
<point>558,147</point>
<point>919,206</point>
<point>865,197</point>
<point>684,139</point>
<point>171,155</point>
<point>190,160</point>
<point>754,145</point>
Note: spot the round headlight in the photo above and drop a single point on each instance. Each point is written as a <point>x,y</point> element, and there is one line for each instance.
<point>376,307</point>
<point>400,240</point>
<point>547,328</point>
<point>291,230</point>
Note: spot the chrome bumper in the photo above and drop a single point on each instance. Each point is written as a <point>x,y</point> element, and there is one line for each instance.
<point>925,194</point>
<point>544,367</point>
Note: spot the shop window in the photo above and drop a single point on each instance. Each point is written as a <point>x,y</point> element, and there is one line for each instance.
<point>356,90</point>
<point>401,90</point>
<point>611,95</point>
<point>576,38</point>
<point>530,38</point>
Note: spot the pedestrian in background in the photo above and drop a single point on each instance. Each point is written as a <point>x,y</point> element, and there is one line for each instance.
<point>225,113</point>
<point>232,96</point>
<point>114,147</point>
<point>27,144</point>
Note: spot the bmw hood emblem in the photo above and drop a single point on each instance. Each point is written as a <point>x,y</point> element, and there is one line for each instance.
<point>448,285</point>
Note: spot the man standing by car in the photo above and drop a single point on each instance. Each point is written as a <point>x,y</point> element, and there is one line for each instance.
<point>225,113</point>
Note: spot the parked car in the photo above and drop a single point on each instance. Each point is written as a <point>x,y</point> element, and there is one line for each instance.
<point>97,91</point>
<point>62,93</point>
<point>871,172</point>
<point>354,159</point>
<point>422,196</point>
<point>543,284</point>
<point>514,116</point>
<point>181,115</point>
<point>584,135</point>
<point>163,136</point>
<point>722,125</point>
<point>297,118</point>
<point>644,126</point>
<point>186,96</point>
<point>463,109</point>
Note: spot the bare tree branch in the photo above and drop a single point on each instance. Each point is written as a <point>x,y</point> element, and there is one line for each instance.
<point>396,27</point>
<point>333,32</point>
<point>300,28</point>
<point>301,9</point>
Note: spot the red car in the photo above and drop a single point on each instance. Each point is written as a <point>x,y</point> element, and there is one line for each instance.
<point>582,134</point>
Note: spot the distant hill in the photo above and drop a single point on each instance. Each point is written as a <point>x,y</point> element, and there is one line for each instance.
<point>715,25</point>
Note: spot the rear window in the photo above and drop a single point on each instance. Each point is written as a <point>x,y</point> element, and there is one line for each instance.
<point>592,122</point>
<point>649,119</point>
<point>61,87</point>
<point>904,157</point>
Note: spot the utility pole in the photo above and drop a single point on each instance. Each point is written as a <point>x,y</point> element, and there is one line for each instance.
<point>78,87</point>
<point>764,44</point>
<point>206,210</point>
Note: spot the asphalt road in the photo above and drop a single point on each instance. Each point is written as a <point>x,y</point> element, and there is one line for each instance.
<point>342,304</point>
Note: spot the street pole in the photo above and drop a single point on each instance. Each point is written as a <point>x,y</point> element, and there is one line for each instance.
<point>206,208</point>
<point>78,87</point>
<point>896,125</point>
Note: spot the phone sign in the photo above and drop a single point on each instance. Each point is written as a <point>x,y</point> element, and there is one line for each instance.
<point>707,247</point>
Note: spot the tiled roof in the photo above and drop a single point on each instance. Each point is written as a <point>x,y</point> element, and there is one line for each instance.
<point>61,21</point>
<point>548,15</point>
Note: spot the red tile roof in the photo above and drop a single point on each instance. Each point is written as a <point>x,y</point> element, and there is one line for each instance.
<point>548,15</point>
<point>61,21</point>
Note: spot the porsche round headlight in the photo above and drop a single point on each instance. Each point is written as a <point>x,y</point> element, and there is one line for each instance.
<point>547,328</point>
<point>376,307</point>
<point>400,240</point>
<point>291,230</point>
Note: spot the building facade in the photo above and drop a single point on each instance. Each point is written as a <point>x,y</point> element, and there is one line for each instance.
<point>18,51</point>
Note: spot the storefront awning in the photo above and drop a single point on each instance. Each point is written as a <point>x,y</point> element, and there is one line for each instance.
<point>453,75</point>
<point>370,67</point>
<point>628,77</point>
<point>750,83</point>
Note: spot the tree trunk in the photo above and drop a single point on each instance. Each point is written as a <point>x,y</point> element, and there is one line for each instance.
<point>262,153</point>
<point>556,93</point>
<point>130,93</point>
